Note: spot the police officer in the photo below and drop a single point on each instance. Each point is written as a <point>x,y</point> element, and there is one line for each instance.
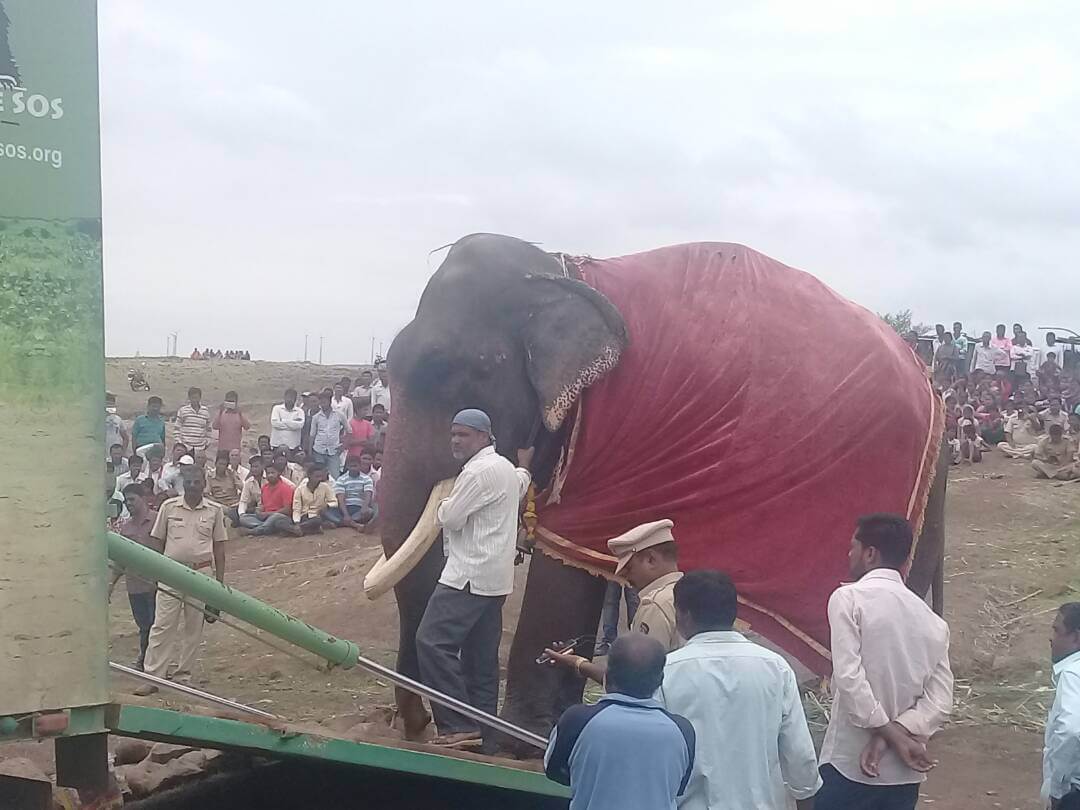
<point>648,560</point>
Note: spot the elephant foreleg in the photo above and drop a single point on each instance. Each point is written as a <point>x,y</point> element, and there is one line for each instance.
<point>412,595</point>
<point>927,569</point>
<point>560,603</point>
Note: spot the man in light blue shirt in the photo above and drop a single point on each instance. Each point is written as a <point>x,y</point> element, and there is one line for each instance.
<point>328,427</point>
<point>754,749</point>
<point>1061,751</point>
<point>626,752</point>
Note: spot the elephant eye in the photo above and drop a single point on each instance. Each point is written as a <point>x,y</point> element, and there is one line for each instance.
<point>429,374</point>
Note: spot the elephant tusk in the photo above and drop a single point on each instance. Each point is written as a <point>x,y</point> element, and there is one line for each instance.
<point>386,573</point>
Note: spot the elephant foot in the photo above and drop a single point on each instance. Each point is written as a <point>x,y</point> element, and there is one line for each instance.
<point>414,717</point>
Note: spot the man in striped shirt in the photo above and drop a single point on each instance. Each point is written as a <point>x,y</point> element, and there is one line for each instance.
<point>193,422</point>
<point>457,642</point>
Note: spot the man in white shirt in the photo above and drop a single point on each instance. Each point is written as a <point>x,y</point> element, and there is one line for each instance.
<point>1061,751</point>
<point>891,683</point>
<point>362,391</point>
<point>754,749</point>
<point>341,402</point>
<point>987,357</point>
<point>286,422</point>
<point>171,482</point>
<point>380,389</point>
<point>137,472</point>
<point>457,642</point>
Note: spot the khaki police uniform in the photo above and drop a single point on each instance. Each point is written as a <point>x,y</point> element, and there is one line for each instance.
<point>655,615</point>
<point>189,534</point>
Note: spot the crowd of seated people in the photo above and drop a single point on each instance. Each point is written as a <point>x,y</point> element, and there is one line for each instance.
<point>1002,393</point>
<point>218,354</point>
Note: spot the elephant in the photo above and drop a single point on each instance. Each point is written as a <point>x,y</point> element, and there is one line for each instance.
<point>558,350</point>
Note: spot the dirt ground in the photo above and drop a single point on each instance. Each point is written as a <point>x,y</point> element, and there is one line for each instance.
<point>259,383</point>
<point>1012,544</point>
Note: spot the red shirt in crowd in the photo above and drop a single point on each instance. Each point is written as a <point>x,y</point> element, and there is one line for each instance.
<point>362,433</point>
<point>276,497</point>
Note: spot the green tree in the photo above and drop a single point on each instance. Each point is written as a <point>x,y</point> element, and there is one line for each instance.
<point>901,322</point>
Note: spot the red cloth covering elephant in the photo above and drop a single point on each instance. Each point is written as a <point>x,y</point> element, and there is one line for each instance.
<point>757,409</point>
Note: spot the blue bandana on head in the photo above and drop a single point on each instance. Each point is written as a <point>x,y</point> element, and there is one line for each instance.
<point>474,418</point>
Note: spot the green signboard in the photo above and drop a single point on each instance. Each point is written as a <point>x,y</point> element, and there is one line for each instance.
<point>53,636</point>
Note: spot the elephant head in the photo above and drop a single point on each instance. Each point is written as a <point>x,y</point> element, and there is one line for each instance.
<point>502,327</point>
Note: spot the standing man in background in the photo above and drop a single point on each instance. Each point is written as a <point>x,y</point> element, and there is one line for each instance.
<point>1061,751</point>
<point>310,406</point>
<point>380,389</point>
<point>142,593</point>
<point>892,685</point>
<point>193,422</point>
<point>362,392</point>
<point>458,639</point>
<point>149,427</point>
<point>328,430</point>
<point>341,403</point>
<point>230,423</point>
<point>985,358</point>
<point>115,432</point>
<point>287,420</point>
<point>961,342</point>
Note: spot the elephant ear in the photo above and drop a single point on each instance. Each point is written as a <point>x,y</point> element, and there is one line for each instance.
<point>573,335</point>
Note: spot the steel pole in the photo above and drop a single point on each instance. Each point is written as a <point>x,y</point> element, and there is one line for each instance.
<point>473,713</point>
<point>144,561</point>
<point>190,690</point>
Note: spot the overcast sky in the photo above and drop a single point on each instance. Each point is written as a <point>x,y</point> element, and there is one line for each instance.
<point>273,168</point>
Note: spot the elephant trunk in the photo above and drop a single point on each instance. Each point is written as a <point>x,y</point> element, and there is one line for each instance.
<point>415,459</point>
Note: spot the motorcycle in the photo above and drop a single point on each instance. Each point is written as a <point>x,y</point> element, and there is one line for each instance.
<point>137,380</point>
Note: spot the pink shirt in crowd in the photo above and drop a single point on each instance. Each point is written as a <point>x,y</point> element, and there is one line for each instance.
<point>230,426</point>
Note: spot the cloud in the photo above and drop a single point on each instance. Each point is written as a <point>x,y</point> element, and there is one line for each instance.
<point>264,161</point>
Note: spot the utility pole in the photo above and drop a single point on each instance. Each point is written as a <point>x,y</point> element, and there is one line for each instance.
<point>373,350</point>
<point>305,346</point>
<point>320,349</point>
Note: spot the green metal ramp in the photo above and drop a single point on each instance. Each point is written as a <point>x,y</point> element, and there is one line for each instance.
<point>175,727</point>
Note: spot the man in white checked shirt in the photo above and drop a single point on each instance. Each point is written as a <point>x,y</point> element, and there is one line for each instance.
<point>458,639</point>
